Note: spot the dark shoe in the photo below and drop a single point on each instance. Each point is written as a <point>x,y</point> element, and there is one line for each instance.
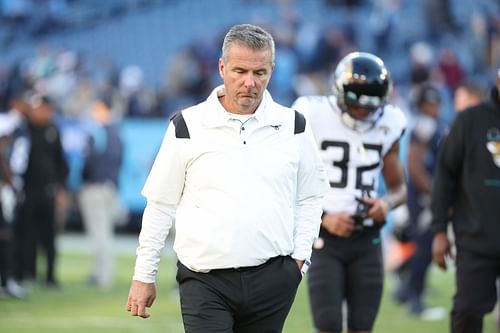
<point>92,281</point>
<point>52,284</point>
<point>400,295</point>
<point>3,293</point>
<point>415,306</point>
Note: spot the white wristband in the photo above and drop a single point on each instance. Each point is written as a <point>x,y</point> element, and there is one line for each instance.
<point>305,266</point>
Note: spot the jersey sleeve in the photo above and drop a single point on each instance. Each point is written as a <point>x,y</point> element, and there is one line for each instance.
<point>395,124</point>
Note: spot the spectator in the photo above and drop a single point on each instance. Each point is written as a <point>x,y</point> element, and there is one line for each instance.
<point>19,150</point>
<point>98,199</point>
<point>450,68</point>
<point>43,188</point>
<point>8,287</point>
<point>425,137</point>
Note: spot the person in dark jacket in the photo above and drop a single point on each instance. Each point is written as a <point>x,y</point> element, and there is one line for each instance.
<point>467,192</point>
<point>43,187</point>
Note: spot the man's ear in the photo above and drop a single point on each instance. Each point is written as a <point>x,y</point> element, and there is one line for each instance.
<point>222,68</point>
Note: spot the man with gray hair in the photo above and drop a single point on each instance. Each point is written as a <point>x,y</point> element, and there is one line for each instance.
<point>243,179</point>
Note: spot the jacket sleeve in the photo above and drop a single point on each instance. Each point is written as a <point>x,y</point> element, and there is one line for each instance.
<point>165,181</point>
<point>163,190</point>
<point>448,173</point>
<point>156,223</point>
<point>312,185</point>
<point>61,163</point>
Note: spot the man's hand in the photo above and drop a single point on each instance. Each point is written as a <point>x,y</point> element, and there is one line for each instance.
<point>379,209</point>
<point>140,297</point>
<point>300,263</point>
<point>339,224</point>
<point>441,248</point>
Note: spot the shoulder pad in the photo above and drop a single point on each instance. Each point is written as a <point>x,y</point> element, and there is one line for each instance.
<point>181,129</point>
<point>300,123</point>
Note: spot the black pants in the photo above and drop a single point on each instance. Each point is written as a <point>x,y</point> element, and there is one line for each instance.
<point>418,266</point>
<point>5,245</point>
<point>476,293</point>
<point>350,270</point>
<point>414,287</point>
<point>35,224</point>
<point>245,300</point>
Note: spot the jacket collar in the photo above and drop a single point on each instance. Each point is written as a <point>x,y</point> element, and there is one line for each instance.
<point>215,115</point>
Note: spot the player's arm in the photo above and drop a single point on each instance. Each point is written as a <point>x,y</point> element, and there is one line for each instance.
<point>393,173</point>
<point>416,168</point>
<point>5,174</point>
<point>446,186</point>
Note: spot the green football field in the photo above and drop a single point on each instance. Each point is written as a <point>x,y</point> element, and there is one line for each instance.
<point>77,308</point>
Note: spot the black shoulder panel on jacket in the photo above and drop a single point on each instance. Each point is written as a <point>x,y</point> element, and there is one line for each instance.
<point>181,130</point>
<point>300,123</point>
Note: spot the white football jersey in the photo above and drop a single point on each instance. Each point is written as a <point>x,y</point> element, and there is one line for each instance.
<point>353,159</point>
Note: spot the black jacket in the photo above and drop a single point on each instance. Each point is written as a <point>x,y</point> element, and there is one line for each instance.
<point>47,165</point>
<point>468,179</point>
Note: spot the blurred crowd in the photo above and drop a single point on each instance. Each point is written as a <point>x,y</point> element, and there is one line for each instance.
<point>445,48</point>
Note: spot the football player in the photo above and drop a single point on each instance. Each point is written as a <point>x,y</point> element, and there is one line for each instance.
<point>358,134</point>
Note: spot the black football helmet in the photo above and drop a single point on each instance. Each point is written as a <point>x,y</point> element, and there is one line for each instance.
<point>361,80</point>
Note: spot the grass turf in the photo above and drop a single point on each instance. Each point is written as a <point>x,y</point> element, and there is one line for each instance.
<point>78,308</point>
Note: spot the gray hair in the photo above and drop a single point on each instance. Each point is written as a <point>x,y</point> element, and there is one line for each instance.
<point>251,36</point>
